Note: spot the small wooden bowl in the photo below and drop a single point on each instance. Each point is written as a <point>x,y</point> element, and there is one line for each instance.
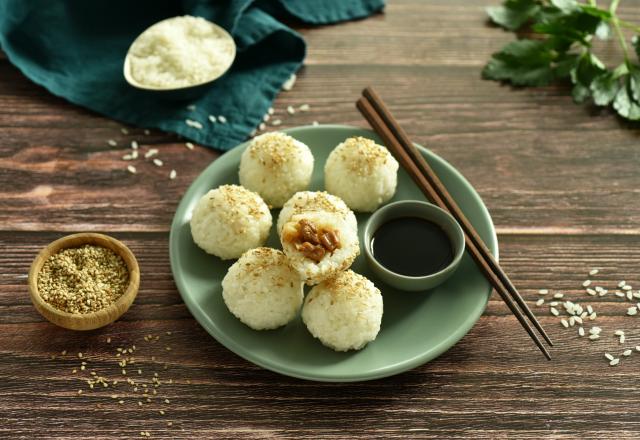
<point>85,321</point>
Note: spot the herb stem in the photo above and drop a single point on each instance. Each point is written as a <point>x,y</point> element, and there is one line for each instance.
<point>615,21</point>
<point>627,25</point>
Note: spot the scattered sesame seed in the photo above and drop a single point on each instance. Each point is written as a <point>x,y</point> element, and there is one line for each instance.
<point>595,330</point>
<point>79,391</point>
<point>112,143</point>
<point>169,423</point>
<point>166,401</point>
<point>554,311</point>
<point>627,287</point>
<point>139,371</point>
<point>80,355</point>
<point>139,403</point>
<point>134,145</point>
<point>581,331</point>
<point>315,123</point>
<point>124,130</point>
<point>266,117</point>
<point>127,157</point>
<point>591,292</point>
<point>82,367</point>
<point>572,321</point>
<point>291,110</point>
<point>593,316</point>
<point>189,145</point>
<point>276,122</point>
<point>74,371</point>
<point>212,119</point>
<point>594,337</point>
<point>147,132</point>
<point>157,162</point>
<point>271,110</point>
<point>131,169</point>
<point>609,356</point>
<point>288,84</point>
<point>631,311</point>
<point>620,294</point>
<point>577,319</point>
<point>108,340</point>
<point>589,308</point>
<point>191,107</point>
<point>120,402</point>
<point>64,352</point>
<point>543,291</point>
<point>262,126</point>
<point>614,362</point>
<point>553,303</point>
<point>168,348</point>
<point>222,119</point>
<point>172,174</point>
<point>619,332</point>
<point>586,283</point>
<point>558,295</point>
<point>152,152</point>
<point>629,296</point>
<point>627,353</point>
<point>564,323</point>
<point>599,289</point>
<point>593,272</point>
<point>621,340</point>
<point>304,107</point>
<point>124,372</point>
<point>168,333</point>
<point>622,283</point>
<point>540,302</point>
<point>603,292</point>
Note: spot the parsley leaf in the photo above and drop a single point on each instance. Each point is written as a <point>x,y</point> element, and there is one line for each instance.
<point>523,62</point>
<point>604,88</point>
<point>625,104</point>
<point>513,13</point>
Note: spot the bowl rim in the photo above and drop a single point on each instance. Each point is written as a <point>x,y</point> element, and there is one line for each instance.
<point>421,208</point>
<point>102,316</point>
<point>126,65</point>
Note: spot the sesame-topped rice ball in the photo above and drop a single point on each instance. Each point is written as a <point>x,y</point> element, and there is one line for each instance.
<point>229,220</point>
<point>315,201</point>
<point>319,235</point>
<point>262,290</point>
<point>361,172</point>
<point>344,312</point>
<point>276,166</point>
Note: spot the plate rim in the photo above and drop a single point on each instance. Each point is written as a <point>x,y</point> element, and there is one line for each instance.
<point>389,370</point>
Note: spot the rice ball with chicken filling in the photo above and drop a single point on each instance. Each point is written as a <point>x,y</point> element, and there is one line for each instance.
<point>344,312</point>
<point>319,235</point>
<point>229,220</point>
<point>361,172</point>
<point>276,166</point>
<point>262,290</point>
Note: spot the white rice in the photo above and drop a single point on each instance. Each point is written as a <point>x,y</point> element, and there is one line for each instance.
<point>230,220</point>
<point>362,173</point>
<point>262,290</point>
<point>276,166</point>
<point>344,312</point>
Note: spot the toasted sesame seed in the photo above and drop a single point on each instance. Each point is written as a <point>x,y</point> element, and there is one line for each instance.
<point>595,330</point>
<point>134,145</point>
<point>315,123</point>
<point>543,291</point>
<point>599,289</point>
<point>572,321</point>
<point>63,352</point>
<point>554,311</point>
<point>627,287</point>
<point>540,302</point>
<point>262,126</point>
<point>79,391</point>
<point>112,143</point>
<point>139,371</point>
<point>189,145</point>
<point>80,355</point>
<point>114,396</point>
<point>564,323</point>
<point>581,331</point>
<point>637,347</point>
<point>621,340</point>
<point>603,292</point>
<point>578,319</point>
<point>82,367</point>
<point>558,295</point>
<point>266,117</point>
<point>124,130</point>
<point>276,122</point>
<point>168,348</point>
<point>304,108</point>
<point>591,292</point>
<point>594,337</point>
<point>124,372</point>
<point>169,423</point>
<point>622,283</point>
<point>271,110</point>
<point>108,340</point>
<point>166,401</point>
<point>152,152</point>
<point>157,162</point>
<point>288,84</point>
<point>609,356</point>
<point>636,295</point>
<point>127,157</point>
<point>593,272</point>
<point>74,371</point>
<point>222,119</point>
<point>629,296</point>
<point>631,311</point>
<point>589,308</point>
<point>172,174</point>
<point>586,283</point>
<point>120,402</point>
<point>554,303</point>
<point>139,403</point>
<point>212,119</point>
<point>619,332</point>
<point>620,294</point>
<point>291,110</point>
<point>131,169</point>
<point>614,362</point>
<point>593,316</point>
<point>627,353</point>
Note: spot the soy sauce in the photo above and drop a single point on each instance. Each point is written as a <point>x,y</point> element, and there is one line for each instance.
<point>412,246</point>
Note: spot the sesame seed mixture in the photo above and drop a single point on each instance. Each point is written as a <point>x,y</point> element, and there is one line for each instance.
<point>83,280</point>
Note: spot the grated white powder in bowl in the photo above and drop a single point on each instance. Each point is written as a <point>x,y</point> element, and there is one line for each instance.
<point>180,52</point>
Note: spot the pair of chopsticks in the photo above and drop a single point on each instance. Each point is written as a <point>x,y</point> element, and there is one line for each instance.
<point>375,111</point>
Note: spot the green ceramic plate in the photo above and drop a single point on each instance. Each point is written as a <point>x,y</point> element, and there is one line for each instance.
<point>416,327</point>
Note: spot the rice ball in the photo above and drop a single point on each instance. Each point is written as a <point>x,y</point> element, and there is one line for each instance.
<point>344,312</point>
<point>362,173</point>
<point>319,235</point>
<point>276,166</point>
<point>262,290</point>
<point>229,220</point>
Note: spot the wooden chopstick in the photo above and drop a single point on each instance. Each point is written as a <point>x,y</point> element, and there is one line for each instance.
<point>427,188</point>
<point>452,206</point>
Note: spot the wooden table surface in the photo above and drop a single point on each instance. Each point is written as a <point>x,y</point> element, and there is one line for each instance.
<point>561,182</point>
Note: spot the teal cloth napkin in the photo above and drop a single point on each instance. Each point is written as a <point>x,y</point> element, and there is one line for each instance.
<point>75,49</point>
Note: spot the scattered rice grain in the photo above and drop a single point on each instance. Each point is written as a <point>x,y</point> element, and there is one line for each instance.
<point>540,302</point>
<point>132,169</point>
<point>586,283</point>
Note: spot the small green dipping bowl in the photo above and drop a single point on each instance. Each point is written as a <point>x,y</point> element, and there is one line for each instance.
<point>424,210</point>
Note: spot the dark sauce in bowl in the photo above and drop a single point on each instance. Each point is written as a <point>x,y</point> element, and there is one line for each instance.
<point>412,246</point>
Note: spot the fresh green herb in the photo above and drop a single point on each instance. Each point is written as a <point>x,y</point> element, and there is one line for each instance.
<point>560,48</point>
